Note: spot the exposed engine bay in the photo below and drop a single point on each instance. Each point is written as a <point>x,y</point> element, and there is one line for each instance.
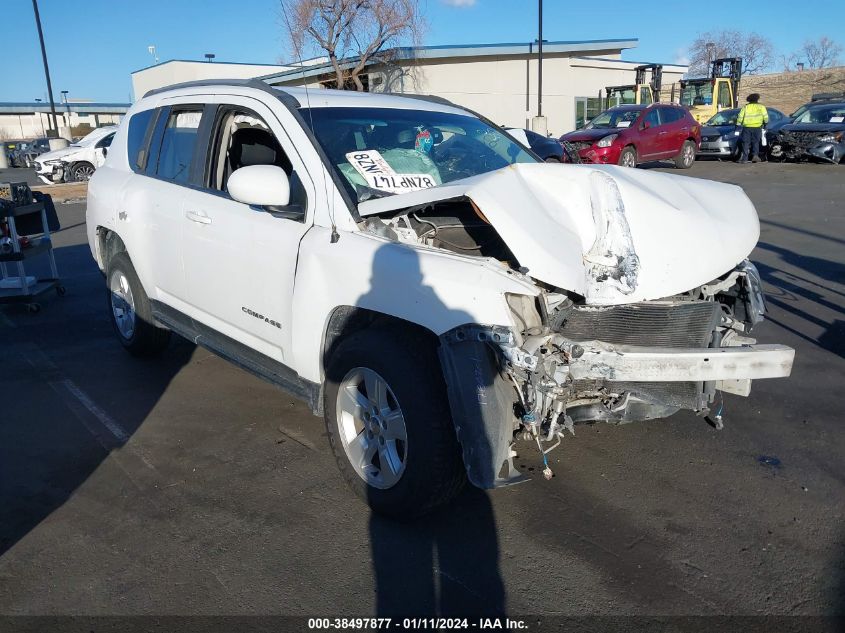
<point>567,362</point>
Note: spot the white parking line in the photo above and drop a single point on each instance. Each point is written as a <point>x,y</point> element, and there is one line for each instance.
<point>113,427</point>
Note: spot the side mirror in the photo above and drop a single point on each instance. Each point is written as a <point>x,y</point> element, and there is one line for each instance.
<point>105,152</point>
<point>265,186</point>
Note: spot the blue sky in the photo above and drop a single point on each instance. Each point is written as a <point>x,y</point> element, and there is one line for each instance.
<point>93,45</point>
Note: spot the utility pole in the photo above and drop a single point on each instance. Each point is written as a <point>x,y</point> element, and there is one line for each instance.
<point>46,67</point>
<point>539,63</point>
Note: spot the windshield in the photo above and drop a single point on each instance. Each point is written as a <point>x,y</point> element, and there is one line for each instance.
<point>90,138</point>
<point>725,117</point>
<point>613,119</point>
<point>621,95</point>
<point>697,94</point>
<point>384,151</point>
<point>823,114</point>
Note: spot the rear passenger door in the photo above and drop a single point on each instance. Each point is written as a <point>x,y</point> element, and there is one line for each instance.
<point>240,261</point>
<point>152,199</point>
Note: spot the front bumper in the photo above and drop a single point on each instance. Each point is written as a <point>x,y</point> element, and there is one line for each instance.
<point>600,361</point>
<point>601,155</point>
<point>719,148</point>
<point>50,174</point>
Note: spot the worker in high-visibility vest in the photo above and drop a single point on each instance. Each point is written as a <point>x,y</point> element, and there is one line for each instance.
<point>753,118</point>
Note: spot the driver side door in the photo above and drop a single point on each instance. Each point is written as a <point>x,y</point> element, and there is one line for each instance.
<point>240,261</point>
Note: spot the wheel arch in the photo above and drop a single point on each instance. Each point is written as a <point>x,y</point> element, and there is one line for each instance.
<point>345,320</point>
<point>109,244</point>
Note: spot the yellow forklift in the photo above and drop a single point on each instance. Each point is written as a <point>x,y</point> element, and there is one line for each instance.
<point>708,95</point>
<point>639,93</point>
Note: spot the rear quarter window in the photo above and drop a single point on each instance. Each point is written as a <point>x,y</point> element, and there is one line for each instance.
<point>137,133</point>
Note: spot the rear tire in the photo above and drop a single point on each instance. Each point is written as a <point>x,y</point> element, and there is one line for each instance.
<point>130,310</point>
<point>628,157</point>
<point>388,422</point>
<point>686,158</point>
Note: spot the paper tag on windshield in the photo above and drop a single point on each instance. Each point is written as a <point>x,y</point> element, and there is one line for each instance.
<point>380,175</point>
<point>837,119</point>
<point>623,124</point>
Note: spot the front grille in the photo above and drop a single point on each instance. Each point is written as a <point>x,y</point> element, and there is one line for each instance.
<point>649,323</point>
<point>580,145</point>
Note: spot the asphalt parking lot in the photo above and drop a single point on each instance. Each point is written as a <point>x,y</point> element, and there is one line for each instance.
<point>186,486</point>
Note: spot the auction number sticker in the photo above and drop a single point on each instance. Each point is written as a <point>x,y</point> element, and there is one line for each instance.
<point>380,175</point>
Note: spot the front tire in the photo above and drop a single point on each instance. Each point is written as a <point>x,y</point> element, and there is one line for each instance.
<point>628,157</point>
<point>130,310</point>
<point>82,172</point>
<point>686,158</point>
<point>388,421</point>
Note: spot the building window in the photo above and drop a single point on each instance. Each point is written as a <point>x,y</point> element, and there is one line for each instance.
<point>585,109</point>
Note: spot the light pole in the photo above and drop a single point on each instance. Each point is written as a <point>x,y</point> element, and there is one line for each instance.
<point>46,67</point>
<point>711,54</point>
<point>40,119</point>
<point>540,62</point>
<point>152,51</point>
<point>67,106</point>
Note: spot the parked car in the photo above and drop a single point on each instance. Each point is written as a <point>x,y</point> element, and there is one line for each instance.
<point>549,149</point>
<point>722,137</point>
<point>631,134</point>
<point>546,148</point>
<point>33,150</point>
<point>12,149</point>
<point>77,161</point>
<point>422,281</point>
<point>817,134</point>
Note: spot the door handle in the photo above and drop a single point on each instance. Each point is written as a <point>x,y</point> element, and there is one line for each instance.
<point>200,217</point>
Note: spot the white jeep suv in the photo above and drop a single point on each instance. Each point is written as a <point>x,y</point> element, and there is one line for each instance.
<point>422,281</point>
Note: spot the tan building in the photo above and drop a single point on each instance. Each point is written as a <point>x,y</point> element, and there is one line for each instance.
<point>177,71</point>
<point>33,120</point>
<point>496,80</point>
<point>500,80</point>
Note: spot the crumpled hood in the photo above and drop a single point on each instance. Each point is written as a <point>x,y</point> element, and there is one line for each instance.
<point>57,154</point>
<point>593,134</point>
<point>717,130</point>
<point>611,234</point>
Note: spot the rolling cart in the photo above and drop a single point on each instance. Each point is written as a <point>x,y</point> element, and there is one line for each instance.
<point>18,209</point>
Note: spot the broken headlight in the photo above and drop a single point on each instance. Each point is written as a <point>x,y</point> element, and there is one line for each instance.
<point>831,138</point>
<point>607,141</point>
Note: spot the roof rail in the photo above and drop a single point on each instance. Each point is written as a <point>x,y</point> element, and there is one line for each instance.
<point>243,83</point>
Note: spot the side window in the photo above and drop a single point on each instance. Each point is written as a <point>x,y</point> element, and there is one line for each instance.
<point>138,125</point>
<point>652,118</point>
<point>242,138</point>
<point>178,144</point>
<point>106,141</point>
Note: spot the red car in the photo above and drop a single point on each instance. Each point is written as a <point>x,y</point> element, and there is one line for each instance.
<point>631,134</point>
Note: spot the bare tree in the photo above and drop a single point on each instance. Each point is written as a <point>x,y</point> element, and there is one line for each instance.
<point>822,53</point>
<point>353,31</point>
<point>757,51</point>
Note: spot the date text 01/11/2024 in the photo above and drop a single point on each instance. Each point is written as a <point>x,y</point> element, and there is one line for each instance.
<point>411,624</point>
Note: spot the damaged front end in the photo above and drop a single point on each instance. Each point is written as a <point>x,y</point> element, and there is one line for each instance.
<point>633,318</point>
<point>575,363</point>
<point>825,146</point>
